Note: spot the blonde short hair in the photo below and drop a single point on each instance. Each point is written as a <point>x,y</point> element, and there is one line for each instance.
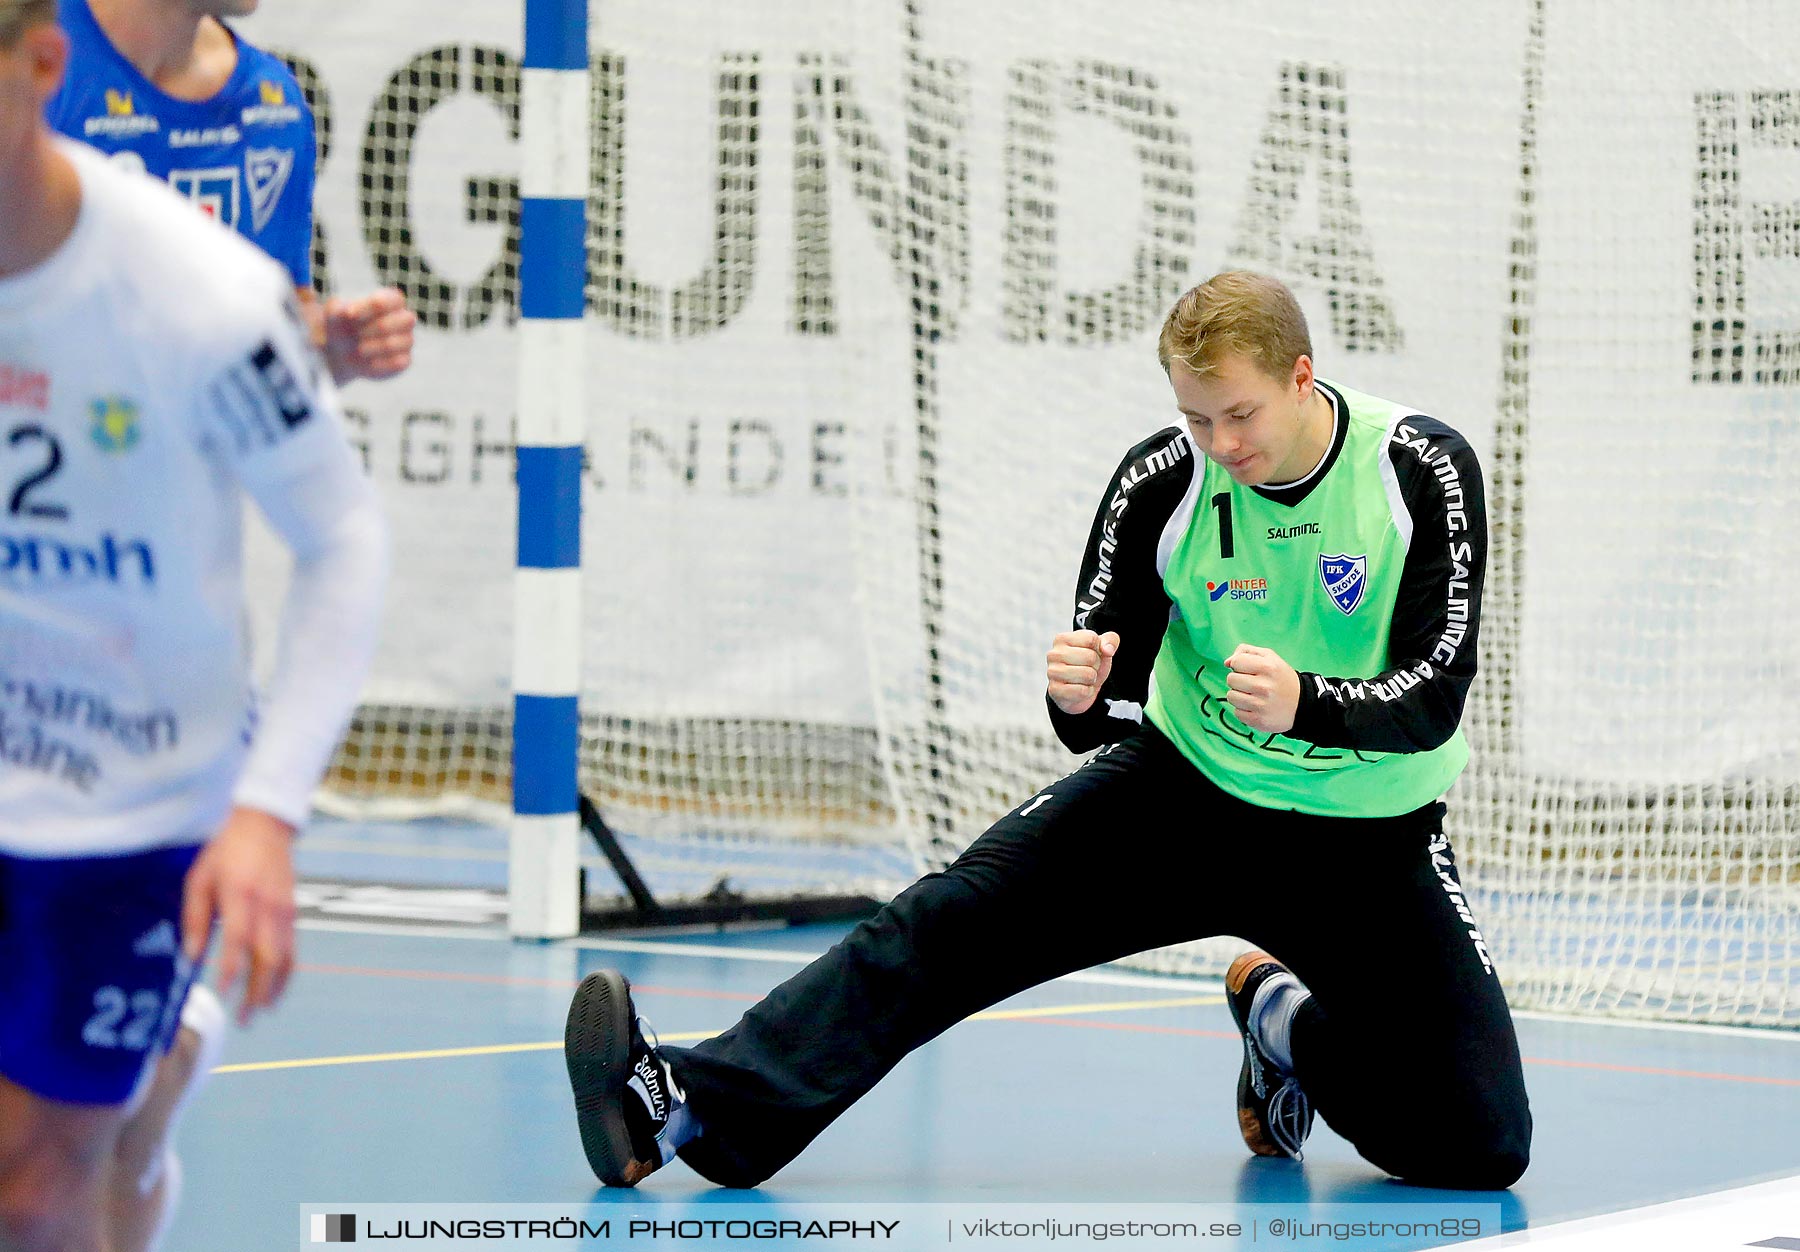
<point>19,16</point>
<point>1236,312</point>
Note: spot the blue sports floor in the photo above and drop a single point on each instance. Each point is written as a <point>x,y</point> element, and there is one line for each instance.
<point>420,1061</point>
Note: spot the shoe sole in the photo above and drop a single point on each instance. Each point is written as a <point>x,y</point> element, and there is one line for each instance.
<point>1250,1126</point>
<point>1255,1132</point>
<point>596,1047</point>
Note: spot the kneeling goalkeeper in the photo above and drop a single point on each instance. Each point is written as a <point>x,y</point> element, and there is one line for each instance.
<point>1275,631</point>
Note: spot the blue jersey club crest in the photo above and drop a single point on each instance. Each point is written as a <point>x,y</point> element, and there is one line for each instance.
<point>1345,579</point>
<point>266,170</point>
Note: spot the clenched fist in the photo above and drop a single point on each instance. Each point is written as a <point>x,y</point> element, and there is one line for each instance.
<point>371,337</point>
<point>1264,689</point>
<point>1077,665</point>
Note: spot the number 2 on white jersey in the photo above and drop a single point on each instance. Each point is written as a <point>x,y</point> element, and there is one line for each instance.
<point>38,444</point>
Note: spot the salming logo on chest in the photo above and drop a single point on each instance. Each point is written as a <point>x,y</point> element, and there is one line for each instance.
<point>1278,563</point>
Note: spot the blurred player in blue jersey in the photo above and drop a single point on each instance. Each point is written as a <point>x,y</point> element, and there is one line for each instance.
<point>154,369</point>
<point>166,87</point>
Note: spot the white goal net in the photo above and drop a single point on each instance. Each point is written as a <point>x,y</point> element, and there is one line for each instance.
<point>874,290</point>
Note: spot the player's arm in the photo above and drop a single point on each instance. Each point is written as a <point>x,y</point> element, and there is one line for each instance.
<point>1099,669</point>
<point>368,337</point>
<point>275,420</point>
<point>1416,704</point>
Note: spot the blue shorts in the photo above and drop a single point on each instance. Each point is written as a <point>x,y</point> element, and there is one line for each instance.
<point>91,973</point>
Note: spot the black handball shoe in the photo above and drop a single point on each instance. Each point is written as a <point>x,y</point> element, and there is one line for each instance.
<point>624,1092</point>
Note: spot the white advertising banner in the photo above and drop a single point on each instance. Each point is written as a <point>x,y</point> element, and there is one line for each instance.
<point>773,188</point>
<point>874,292</point>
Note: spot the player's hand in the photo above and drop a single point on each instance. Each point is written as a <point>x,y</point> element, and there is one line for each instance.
<point>245,879</point>
<point>1077,665</point>
<point>1264,689</point>
<point>371,337</point>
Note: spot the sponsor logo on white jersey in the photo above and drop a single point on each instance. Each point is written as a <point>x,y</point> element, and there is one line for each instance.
<point>43,561</point>
<point>25,388</point>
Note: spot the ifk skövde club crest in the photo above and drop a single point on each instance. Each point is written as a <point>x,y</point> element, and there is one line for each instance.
<point>1345,579</point>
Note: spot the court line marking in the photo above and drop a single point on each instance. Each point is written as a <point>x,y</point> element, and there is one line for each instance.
<point>690,1036</point>
<point>409,851</point>
<point>782,956</point>
<point>1773,1034</point>
<point>1656,1071</point>
<point>1602,1066</point>
<point>1069,1010</point>
<point>1047,1014</point>
<point>491,856</point>
<point>515,980</point>
<point>369,1058</point>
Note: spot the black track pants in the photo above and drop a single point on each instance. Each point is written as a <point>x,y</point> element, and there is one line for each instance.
<point>1407,1049</point>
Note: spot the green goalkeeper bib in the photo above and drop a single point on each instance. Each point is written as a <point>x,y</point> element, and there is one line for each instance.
<point>1315,582</point>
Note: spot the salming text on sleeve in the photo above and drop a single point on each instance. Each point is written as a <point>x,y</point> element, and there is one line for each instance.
<point>1120,588</point>
<point>1416,703</point>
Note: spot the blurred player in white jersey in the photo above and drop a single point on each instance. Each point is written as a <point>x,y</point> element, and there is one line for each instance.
<point>165,86</point>
<point>153,367</point>
<point>169,88</point>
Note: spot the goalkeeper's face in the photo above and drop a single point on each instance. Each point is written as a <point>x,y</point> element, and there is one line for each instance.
<point>1260,429</point>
